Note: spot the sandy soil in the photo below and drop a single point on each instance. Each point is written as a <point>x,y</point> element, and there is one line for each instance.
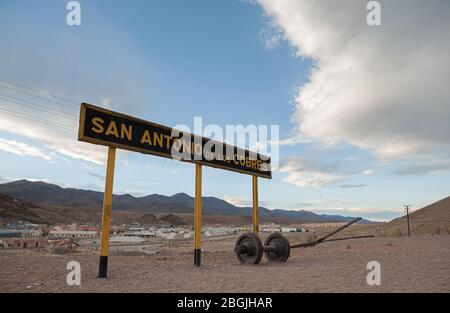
<point>418,264</point>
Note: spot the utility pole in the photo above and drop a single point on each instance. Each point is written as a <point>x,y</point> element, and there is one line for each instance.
<point>407,209</point>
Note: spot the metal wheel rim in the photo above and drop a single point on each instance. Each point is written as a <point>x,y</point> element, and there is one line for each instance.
<point>254,255</point>
<point>283,246</point>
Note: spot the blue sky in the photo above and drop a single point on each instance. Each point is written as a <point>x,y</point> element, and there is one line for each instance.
<point>230,62</point>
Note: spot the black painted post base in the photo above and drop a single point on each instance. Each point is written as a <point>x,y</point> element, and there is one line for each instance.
<point>103,267</point>
<point>197,257</point>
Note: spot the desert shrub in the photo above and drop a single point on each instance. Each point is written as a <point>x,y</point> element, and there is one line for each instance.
<point>397,233</point>
<point>311,238</point>
<point>436,231</point>
<point>379,233</point>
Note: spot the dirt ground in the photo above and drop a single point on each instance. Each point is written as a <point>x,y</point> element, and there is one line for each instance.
<point>417,264</point>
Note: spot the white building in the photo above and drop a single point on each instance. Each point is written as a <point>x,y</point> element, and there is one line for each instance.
<point>72,234</point>
<point>288,229</point>
<point>219,231</point>
<point>271,230</point>
<point>31,233</point>
<point>139,233</point>
<point>124,239</point>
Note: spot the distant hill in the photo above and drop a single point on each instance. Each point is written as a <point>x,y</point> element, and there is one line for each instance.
<point>172,219</point>
<point>433,219</point>
<point>168,219</point>
<point>53,196</point>
<point>149,219</point>
<point>16,210</point>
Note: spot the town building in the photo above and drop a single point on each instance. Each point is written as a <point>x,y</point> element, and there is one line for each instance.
<point>8,233</point>
<point>23,243</point>
<point>26,233</point>
<point>62,246</point>
<point>72,234</point>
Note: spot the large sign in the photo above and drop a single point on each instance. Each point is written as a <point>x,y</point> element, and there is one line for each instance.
<point>108,128</point>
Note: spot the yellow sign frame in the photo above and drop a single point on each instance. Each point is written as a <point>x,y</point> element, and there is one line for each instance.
<point>109,182</point>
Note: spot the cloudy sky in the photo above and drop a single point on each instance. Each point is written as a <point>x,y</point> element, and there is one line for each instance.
<point>364,111</point>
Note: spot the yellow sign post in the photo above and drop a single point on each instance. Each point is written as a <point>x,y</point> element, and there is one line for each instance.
<point>255,205</point>
<point>106,219</point>
<point>198,216</point>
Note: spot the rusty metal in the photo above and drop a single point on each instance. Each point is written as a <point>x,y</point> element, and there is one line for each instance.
<point>277,248</point>
<point>322,239</point>
<point>249,249</point>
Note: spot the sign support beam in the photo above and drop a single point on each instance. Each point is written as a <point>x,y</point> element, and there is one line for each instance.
<point>198,215</point>
<point>255,205</point>
<point>106,219</point>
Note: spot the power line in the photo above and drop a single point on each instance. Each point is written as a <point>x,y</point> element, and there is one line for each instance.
<point>47,122</point>
<point>38,91</point>
<point>43,107</point>
<point>367,197</point>
<point>340,193</point>
<point>38,96</point>
<point>40,120</point>
<point>28,117</point>
<point>36,106</point>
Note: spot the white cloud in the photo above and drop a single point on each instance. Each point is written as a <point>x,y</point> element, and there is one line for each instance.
<point>34,180</point>
<point>242,202</point>
<point>11,179</point>
<point>22,149</point>
<point>237,201</point>
<point>60,68</point>
<point>305,174</point>
<point>62,140</point>
<point>368,172</point>
<point>105,102</point>
<point>272,37</point>
<point>352,186</point>
<point>309,179</point>
<point>289,141</point>
<point>382,88</point>
<point>344,211</point>
<point>433,166</point>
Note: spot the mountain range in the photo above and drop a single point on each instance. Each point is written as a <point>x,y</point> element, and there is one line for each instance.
<point>41,198</point>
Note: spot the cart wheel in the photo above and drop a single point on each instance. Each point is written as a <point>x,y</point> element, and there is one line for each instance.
<point>279,246</point>
<point>249,249</point>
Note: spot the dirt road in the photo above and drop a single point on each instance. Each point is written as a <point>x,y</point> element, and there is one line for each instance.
<point>418,264</point>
